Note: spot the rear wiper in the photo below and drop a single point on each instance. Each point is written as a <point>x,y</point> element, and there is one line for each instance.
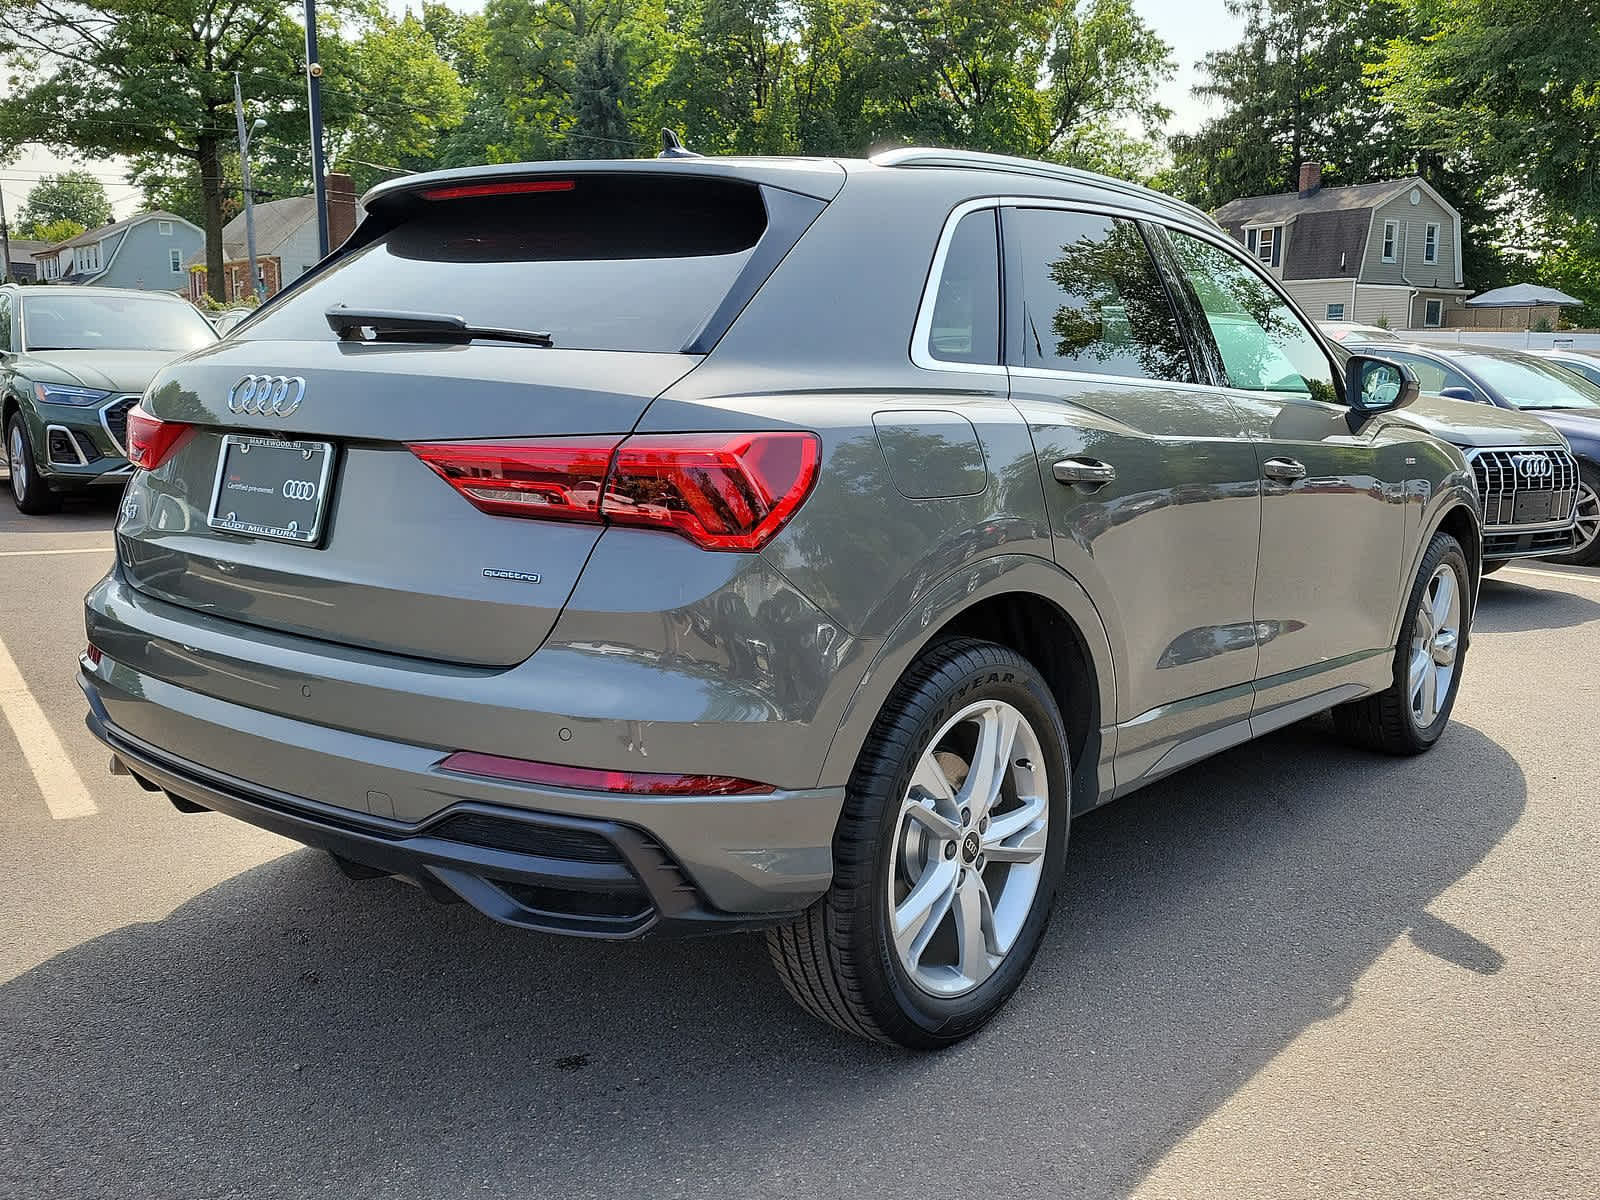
<point>377,325</point>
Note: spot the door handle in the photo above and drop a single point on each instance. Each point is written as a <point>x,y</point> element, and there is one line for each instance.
<point>1083,470</point>
<point>1285,469</point>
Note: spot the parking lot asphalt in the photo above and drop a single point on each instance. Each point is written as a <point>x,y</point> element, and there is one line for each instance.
<point>1294,970</point>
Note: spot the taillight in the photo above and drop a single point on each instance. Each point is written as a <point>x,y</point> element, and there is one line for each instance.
<point>554,478</point>
<point>515,187</point>
<point>634,783</point>
<point>722,491</point>
<point>150,439</point>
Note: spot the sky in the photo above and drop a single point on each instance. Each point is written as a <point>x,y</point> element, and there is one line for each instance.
<point>1191,27</point>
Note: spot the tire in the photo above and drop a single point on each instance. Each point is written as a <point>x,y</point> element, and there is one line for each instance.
<point>1587,553</point>
<point>1409,716</point>
<point>839,959</point>
<point>29,492</point>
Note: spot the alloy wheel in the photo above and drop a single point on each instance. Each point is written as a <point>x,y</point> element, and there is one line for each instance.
<point>1435,643</point>
<point>17,461</point>
<point>1588,518</point>
<point>969,848</point>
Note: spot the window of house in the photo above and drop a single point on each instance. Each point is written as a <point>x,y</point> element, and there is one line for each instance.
<point>89,257</point>
<point>1433,313</point>
<point>1250,240</point>
<point>1430,245</point>
<point>1266,245</point>
<point>1335,312</point>
<point>175,259</point>
<point>966,309</point>
<point>164,228</point>
<point>1092,300</point>
<point>1390,229</point>
<point>1264,346</point>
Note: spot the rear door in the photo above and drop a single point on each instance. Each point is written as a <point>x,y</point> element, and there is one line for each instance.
<point>407,466</point>
<point>1333,508</point>
<point>1152,490</point>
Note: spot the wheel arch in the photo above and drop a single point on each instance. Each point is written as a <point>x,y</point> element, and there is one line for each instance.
<point>1030,605</point>
<point>1457,514</point>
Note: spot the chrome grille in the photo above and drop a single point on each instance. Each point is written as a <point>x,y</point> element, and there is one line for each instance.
<point>1525,488</point>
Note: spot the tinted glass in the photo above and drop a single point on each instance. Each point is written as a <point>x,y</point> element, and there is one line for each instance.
<point>1432,377</point>
<point>966,311</point>
<point>59,319</point>
<point>1529,383</point>
<point>1092,299</point>
<point>1264,346</point>
<point>1589,370</point>
<point>614,263</point>
<point>5,321</point>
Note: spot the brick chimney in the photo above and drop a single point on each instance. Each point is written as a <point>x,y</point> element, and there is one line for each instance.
<point>341,209</point>
<point>1310,177</point>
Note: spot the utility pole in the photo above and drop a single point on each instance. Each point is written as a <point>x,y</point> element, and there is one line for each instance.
<point>5,242</point>
<point>256,286</point>
<point>319,185</point>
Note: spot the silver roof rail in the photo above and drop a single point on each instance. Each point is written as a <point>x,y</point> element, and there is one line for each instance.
<point>927,156</point>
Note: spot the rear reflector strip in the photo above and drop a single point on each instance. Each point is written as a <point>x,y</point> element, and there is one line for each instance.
<point>589,779</point>
<point>463,191</point>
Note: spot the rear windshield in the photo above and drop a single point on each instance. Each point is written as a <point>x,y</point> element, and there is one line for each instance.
<point>605,263</point>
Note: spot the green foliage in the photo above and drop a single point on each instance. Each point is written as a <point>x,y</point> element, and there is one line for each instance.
<point>599,86</point>
<point>74,196</point>
<point>1293,89</point>
<point>54,231</point>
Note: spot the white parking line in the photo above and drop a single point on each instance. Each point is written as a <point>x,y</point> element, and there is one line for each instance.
<point>58,779</point>
<point>81,550</point>
<point>1567,576</point>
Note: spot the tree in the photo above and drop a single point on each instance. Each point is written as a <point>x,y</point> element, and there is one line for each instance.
<point>75,196</point>
<point>125,77</point>
<point>1293,89</point>
<point>55,231</point>
<point>599,85</point>
<point>1509,87</point>
<point>1059,79</point>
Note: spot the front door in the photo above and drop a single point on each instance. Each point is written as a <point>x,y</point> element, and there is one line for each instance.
<point>1333,501</point>
<point>1152,489</point>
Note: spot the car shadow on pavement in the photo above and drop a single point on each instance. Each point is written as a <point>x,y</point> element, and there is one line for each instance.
<point>1512,606</point>
<point>291,1033</point>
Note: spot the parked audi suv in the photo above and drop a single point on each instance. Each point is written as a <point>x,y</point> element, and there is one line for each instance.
<point>715,544</point>
<point>73,361</point>
<point>1517,489</point>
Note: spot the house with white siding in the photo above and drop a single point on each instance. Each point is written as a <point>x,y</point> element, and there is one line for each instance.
<point>1377,253</point>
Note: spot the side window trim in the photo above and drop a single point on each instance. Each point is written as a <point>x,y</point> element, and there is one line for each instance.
<point>1203,352</point>
<point>922,331</point>
<point>1230,247</point>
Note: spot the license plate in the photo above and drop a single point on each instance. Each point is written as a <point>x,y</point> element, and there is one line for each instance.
<point>1533,508</point>
<point>270,488</point>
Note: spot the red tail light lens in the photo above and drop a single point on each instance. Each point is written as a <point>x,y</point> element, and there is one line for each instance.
<point>556,478</point>
<point>150,439</point>
<point>635,783</point>
<point>722,491</point>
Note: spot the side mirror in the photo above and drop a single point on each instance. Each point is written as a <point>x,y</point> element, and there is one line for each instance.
<point>1376,385</point>
<point>1461,393</point>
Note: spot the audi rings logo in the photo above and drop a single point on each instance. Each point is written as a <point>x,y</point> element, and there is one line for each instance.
<point>1535,466</point>
<point>266,395</point>
<point>299,489</point>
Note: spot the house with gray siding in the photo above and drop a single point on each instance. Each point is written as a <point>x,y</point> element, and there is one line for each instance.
<point>149,251</point>
<point>1377,253</point>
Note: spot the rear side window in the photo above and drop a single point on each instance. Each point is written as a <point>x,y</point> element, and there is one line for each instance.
<point>599,262</point>
<point>1431,376</point>
<point>1092,299</point>
<point>966,310</point>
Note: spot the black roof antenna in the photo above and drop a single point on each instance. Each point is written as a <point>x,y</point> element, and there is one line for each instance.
<point>671,147</point>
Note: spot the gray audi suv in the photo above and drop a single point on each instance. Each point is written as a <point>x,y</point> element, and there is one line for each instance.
<point>717,544</point>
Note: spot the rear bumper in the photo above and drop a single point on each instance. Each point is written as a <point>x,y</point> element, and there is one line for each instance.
<point>589,864</point>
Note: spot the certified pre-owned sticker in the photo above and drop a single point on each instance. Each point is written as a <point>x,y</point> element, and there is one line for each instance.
<point>518,576</point>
